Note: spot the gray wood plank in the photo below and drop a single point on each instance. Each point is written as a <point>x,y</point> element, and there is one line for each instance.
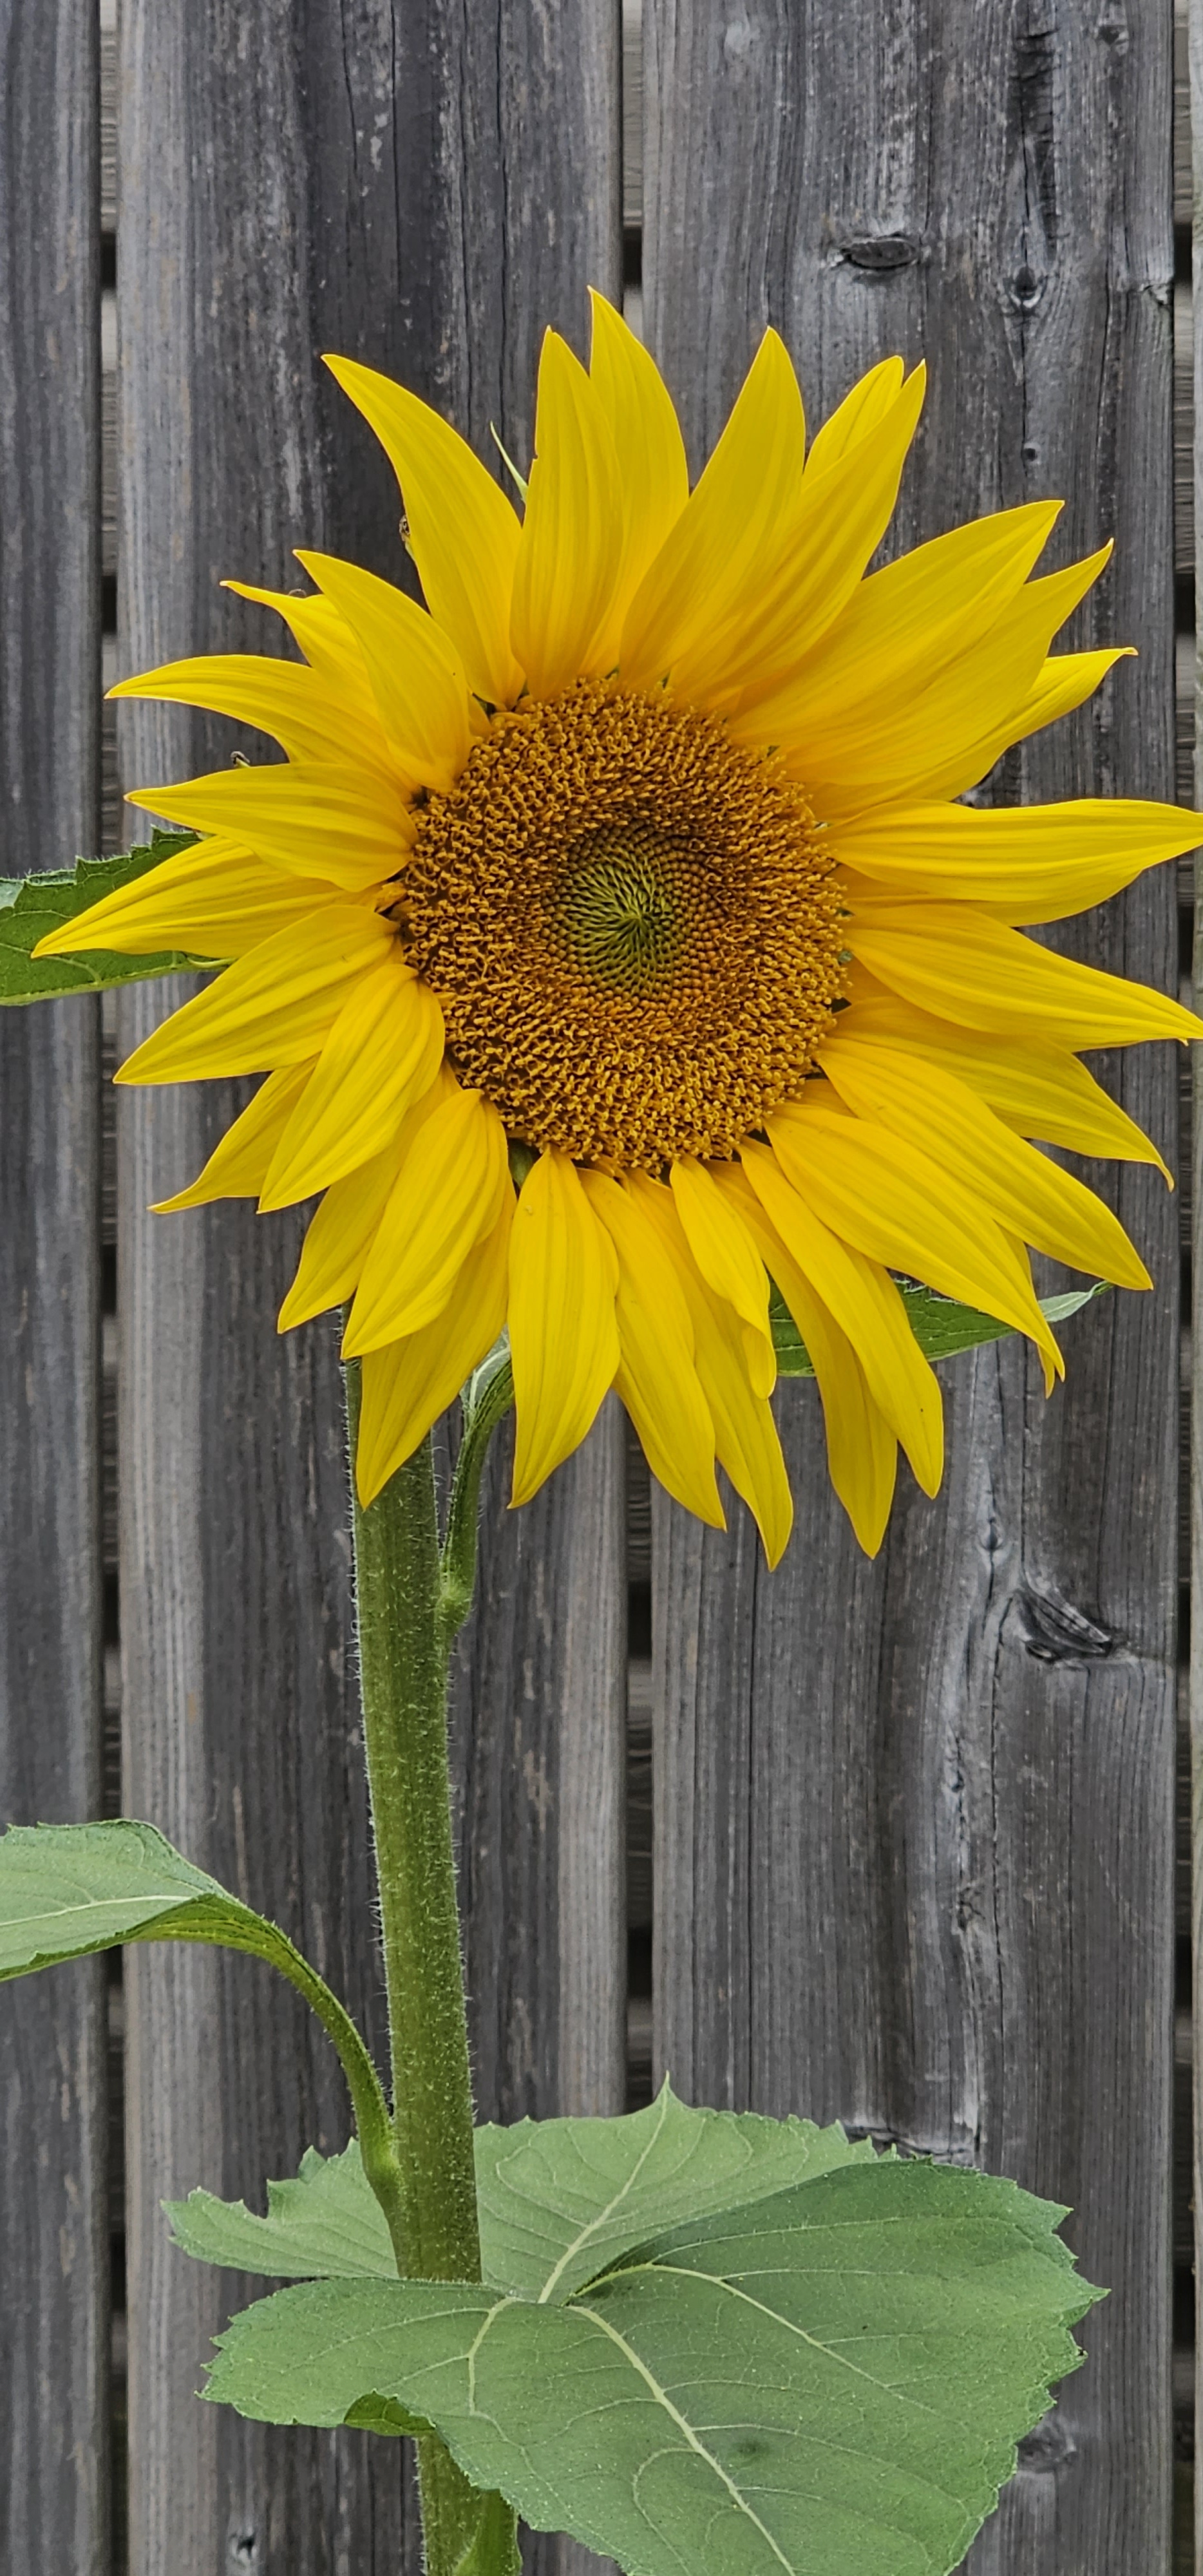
<point>1195,166</point>
<point>422,193</point>
<point>914,1855</point>
<point>540,1781</point>
<point>54,2252</point>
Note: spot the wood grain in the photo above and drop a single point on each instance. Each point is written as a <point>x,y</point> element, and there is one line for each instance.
<point>914,1856</point>
<point>54,2255</point>
<point>538,1752</point>
<point>422,189</point>
<point>1196,1407</point>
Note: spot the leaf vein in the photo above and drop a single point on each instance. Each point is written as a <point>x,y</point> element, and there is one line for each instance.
<point>663,2399</point>
<point>615,2202</point>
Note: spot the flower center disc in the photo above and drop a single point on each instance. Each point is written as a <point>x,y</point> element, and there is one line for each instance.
<point>632,925</point>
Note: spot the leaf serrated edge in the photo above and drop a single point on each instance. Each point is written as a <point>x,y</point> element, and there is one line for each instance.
<point>91,970</point>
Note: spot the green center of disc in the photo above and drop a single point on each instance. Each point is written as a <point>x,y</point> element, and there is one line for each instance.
<point>625,917</point>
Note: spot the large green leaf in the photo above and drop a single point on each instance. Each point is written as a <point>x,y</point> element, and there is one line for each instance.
<point>831,2377</point>
<point>558,2199</point>
<point>561,2199</point>
<point>940,1326</point>
<point>32,906</point>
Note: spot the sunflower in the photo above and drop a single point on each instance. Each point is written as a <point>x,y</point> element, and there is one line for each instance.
<point>615,943</point>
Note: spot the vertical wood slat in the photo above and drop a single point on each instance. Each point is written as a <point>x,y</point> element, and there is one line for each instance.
<point>422,193</point>
<point>914,1859</point>
<point>54,2256</point>
<point>1195,34</point>
<point>538,1759</point>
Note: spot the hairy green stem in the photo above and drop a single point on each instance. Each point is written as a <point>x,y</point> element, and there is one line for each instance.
<point>404,1642</point>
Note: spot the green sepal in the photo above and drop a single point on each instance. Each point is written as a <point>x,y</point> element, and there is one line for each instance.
<point>828,2375</point>
<point>940,1326</point>
<point>30,907</point>
<point>484,1401</point>
<point>522,480</point>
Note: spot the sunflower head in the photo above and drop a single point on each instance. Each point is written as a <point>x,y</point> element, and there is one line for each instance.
<point>633,927</point>
<point>640,847</point>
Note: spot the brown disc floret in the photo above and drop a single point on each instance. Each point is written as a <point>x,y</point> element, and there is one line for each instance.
<point>633,926</point>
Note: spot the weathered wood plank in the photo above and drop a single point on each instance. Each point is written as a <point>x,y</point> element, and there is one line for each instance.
<point>1195,35</point>
<point>54,2255</point>
<point>540,1779</point>
<point>423,194</point>
<point>914,1857</point>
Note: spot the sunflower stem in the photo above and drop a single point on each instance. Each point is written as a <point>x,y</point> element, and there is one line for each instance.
<point>403,1659</point>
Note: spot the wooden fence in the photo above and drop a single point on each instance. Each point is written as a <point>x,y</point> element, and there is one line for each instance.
<point>913,1846</point>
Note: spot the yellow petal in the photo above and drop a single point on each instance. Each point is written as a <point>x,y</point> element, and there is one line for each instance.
<point>652,472</point>
<point>236,1166</point>
<point>657,1380</point>
<point>960,965</point>
<point>983,689</point>
<point>732,528</point>
<point>408,1384</point>
<point>744,1430</point>
<point>1064,681</point>
<point>878,1192</point>
<point>805,1255</point>
<point>381,1056</point>
<point>344,825</point>
<point>1030,1196</point>
<point>570,556</point>
<point>416,675</point>
<point>213,902</point>
<point>563,1329</point>
<point>274,1007</point>
<point>446,1197</point>
<point>862,1452</point>
<point>783,612</point>
<point>463,530</point>
<point>897,632</point>
<point>1021,863</point>
<point>1039,1090</point>
<point>728,1261</point>
<point>285,699</point>
<point>329,647</point>
<point>862,1449</point>
<point>338,1240</point>
<point>871,397</point>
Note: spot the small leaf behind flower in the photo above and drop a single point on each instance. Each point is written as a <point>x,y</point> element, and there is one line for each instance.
<point>940,1326</point>
<point>833,2375</point>
<point>32,906</point>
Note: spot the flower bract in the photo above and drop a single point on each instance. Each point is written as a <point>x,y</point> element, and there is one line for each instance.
<point>616,942</point>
